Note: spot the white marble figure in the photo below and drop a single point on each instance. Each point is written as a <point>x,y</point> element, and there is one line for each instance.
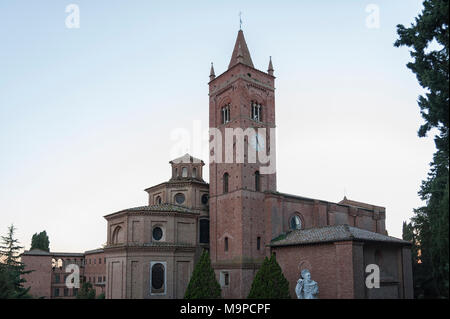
<point>306,288</point>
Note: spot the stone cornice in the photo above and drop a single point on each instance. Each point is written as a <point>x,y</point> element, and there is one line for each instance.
<point>150,247</point>
<point>251,81</point>
<point>178,183</point>
<point>236,265</point>
<point>234,66</point>
<point>152,213</point>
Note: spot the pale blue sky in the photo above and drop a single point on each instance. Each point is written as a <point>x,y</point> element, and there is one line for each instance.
<point>86,114</point>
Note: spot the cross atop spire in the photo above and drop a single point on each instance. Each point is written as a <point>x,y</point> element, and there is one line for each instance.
<point>240,20</point>
<point>241,54</point>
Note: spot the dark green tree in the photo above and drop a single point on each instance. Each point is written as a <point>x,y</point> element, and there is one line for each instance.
<point>40,241</point>
<point>11,268</point>
<point>86,291</point>
<point>428,39</point>
<point>269,282</point>
<point>6,284</point>
<point>203,283</point>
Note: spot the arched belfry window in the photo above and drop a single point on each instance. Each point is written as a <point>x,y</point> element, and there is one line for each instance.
<point>256,111</point>
<point>225,113</point>
<point>184,172</point>
<point>194,172</point>
<point>225,182</point>
<point>257,181</point>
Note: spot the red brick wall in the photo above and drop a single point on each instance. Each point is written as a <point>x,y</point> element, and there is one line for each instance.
<point>95,267</point>
<point>322,262</point>
<point>239,214</point>
<point>40,279</point>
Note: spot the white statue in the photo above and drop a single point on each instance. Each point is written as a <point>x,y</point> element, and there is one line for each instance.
<point>306,288</point>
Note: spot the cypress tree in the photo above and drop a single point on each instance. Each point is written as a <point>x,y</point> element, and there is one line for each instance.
<point>86,291</point>
<point>269,282</point>
<point>40,241</point>
<point>203,283</point>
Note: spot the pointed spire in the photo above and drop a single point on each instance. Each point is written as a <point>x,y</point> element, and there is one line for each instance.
<point>241,54</point>
<point>212,75</point>
<point>270,69</point>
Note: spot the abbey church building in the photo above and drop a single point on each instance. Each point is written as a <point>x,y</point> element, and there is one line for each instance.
<point>241,217</point>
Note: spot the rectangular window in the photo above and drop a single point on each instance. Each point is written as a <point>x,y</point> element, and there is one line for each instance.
<point>104,278</point>
<point>56,292</point>
<point>99,260</point>
<point>99,279</point>
<point>75,291</point>
<point>257,177</point>
<point>95,260</point>
<point>204,231</point>
<point>224,279</point>
<point>57,278</point>
<point>66,292</point>
<point>226,243</point>
<point>258,243</point>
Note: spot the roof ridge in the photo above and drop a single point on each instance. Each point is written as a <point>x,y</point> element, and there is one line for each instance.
<point>348,231</point>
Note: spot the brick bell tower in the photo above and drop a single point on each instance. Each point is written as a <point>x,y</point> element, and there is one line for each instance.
<point>240,98</point>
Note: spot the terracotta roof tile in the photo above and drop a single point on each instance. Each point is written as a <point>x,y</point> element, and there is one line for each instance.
<point>332,234</point>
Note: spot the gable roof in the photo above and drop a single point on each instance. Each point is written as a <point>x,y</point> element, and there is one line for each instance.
<point>158,208</point>
<point>186,159</point>
<point>332,234</point>
<point>349,202</point>
<point>36,252</point>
